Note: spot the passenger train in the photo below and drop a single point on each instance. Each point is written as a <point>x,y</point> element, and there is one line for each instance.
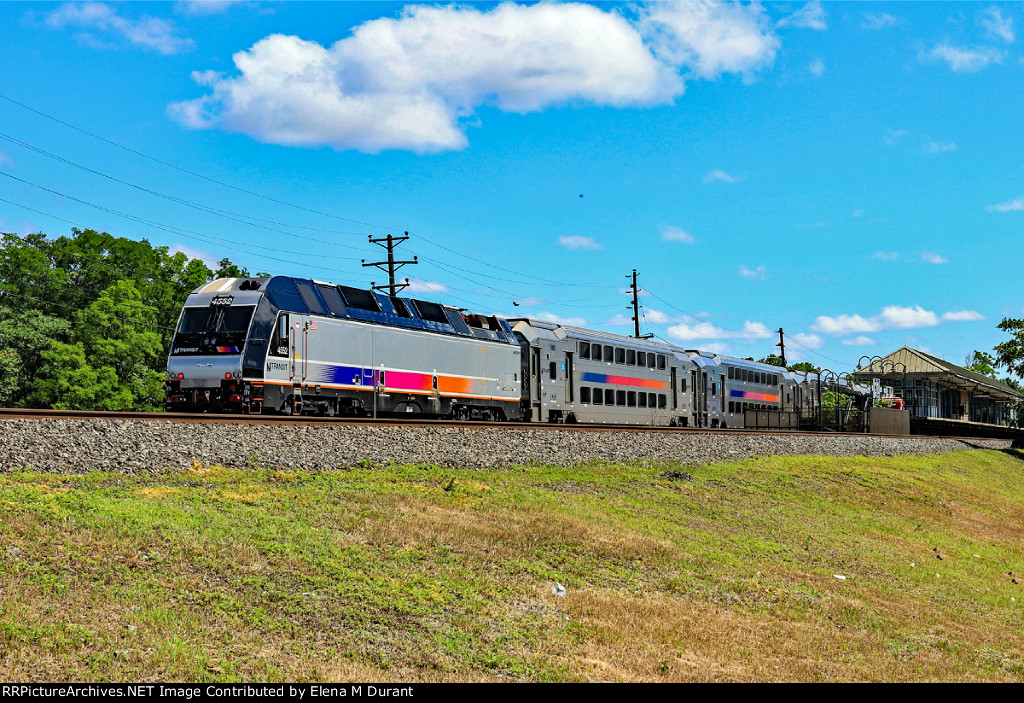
<point>289,345</point>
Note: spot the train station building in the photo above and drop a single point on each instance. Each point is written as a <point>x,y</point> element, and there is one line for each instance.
<point>933,387</point>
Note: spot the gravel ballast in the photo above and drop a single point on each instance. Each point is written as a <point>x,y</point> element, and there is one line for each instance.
<point>124,446</point>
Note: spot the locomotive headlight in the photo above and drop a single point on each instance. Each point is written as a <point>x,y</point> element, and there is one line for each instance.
<point>237,374</point>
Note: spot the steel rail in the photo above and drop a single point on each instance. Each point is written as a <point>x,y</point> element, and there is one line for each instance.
<point>239,419</point>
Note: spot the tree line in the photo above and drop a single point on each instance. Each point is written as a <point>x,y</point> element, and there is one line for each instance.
<point>86,320</point>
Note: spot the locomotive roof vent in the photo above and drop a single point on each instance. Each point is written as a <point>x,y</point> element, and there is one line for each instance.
<point>249,285</point>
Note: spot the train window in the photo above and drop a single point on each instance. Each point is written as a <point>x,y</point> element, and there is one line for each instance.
<point>630,357</point>
<point>757,377</point>
<point>732,373</point>
<point>584,350</point>
<point>743,374</point>
<point>429,311</point>
<point>401,309</point>
<point>661,361</point>
<point>641,359</point>
<point>235,319</point>
<point>732,407</point>
<point>620,397</point>
<point>333,299</point>
<point>309,297</point>
<point>650,360</point>
<point>651,399</point>
<point>714,389</point>
<point>662,401</point>
<point>358,298</point>
<point>608,354</point>
<point>620,355</point>
<point>787,398</point>
<point>682,385</point>
<point>775,380</point>
<point>641,400</point>
<point>584,395</point>
<point>598,396</point>
<point>279,342</point>
<point>196,320</point>
<point>553,370</point>
<point>631,399</point>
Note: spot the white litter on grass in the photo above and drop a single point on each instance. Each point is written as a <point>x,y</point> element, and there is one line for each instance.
<point>841,578</point>
<point>558,590</point>
<point>977,556</point>
<point>937,576</point>
<point>913,564</point>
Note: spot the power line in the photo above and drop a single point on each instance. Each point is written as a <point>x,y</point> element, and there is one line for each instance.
<point>185,170</point>
<point>278,201</point>
<point>226,214</point>
<point>191,234</point>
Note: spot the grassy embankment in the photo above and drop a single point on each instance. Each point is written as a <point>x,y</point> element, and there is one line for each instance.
<point>724,572</point>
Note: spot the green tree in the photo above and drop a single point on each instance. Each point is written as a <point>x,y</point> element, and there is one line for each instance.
<point>772,359</point>
<point>1010,353</point>
<point>981,362</point>
<point>68,381</point>
<point>803,366</point>
<point>117,299</point>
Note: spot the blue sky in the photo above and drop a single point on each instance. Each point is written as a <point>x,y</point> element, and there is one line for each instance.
<point>851,172</point>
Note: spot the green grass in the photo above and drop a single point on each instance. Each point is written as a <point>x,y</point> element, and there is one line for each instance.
<point>708,572</point>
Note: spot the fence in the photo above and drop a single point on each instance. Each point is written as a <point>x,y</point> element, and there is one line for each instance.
<point>771,420</point>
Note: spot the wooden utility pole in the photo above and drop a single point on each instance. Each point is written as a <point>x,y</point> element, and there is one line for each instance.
<point>391,265</point>
<point>635,307</point>
<point>782,346</point>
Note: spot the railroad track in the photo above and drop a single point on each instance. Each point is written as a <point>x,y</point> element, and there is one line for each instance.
<point>230,419</point>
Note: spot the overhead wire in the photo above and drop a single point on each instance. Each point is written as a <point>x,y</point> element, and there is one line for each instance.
<point>420,235</point>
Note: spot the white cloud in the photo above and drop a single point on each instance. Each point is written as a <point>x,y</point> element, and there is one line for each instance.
<point>5,159</point>
<point>675,234</point>
<point>963,60</point>
<point>1009,206</point>
<point>891,317</point>
<point>844,324</point>
<point>939,147</point>
<point>655,317</point>
<point>887,255</point>
<point>892,136</point>
<point>412,82</point>
<point>933,258</point>
<point>89,17</point>
<point>551,317</point>
<point>706,330</point>
<point>205,7</point>
<point>577,242</point>
<point>817,68</point>
<point>722,348</point>
<point>811,341</point>
<point>962,316</point>
<point>882,21</point>
<point>861,341</point>
<point>757,274</point>
<point>709,38</point>
<point>899,317</point>
<point>996,25</point>
<point>719,176</point>
<point>192,253</point>
<point>811,16</point>
<point>419,286</point>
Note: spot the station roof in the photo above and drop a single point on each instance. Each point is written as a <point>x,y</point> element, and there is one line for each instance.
<point>922,365</point>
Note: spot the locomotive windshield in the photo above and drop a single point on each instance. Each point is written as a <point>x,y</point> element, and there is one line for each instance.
<point>212,330</point>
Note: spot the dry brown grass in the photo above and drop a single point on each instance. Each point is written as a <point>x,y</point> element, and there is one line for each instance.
<point>412,574</point>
